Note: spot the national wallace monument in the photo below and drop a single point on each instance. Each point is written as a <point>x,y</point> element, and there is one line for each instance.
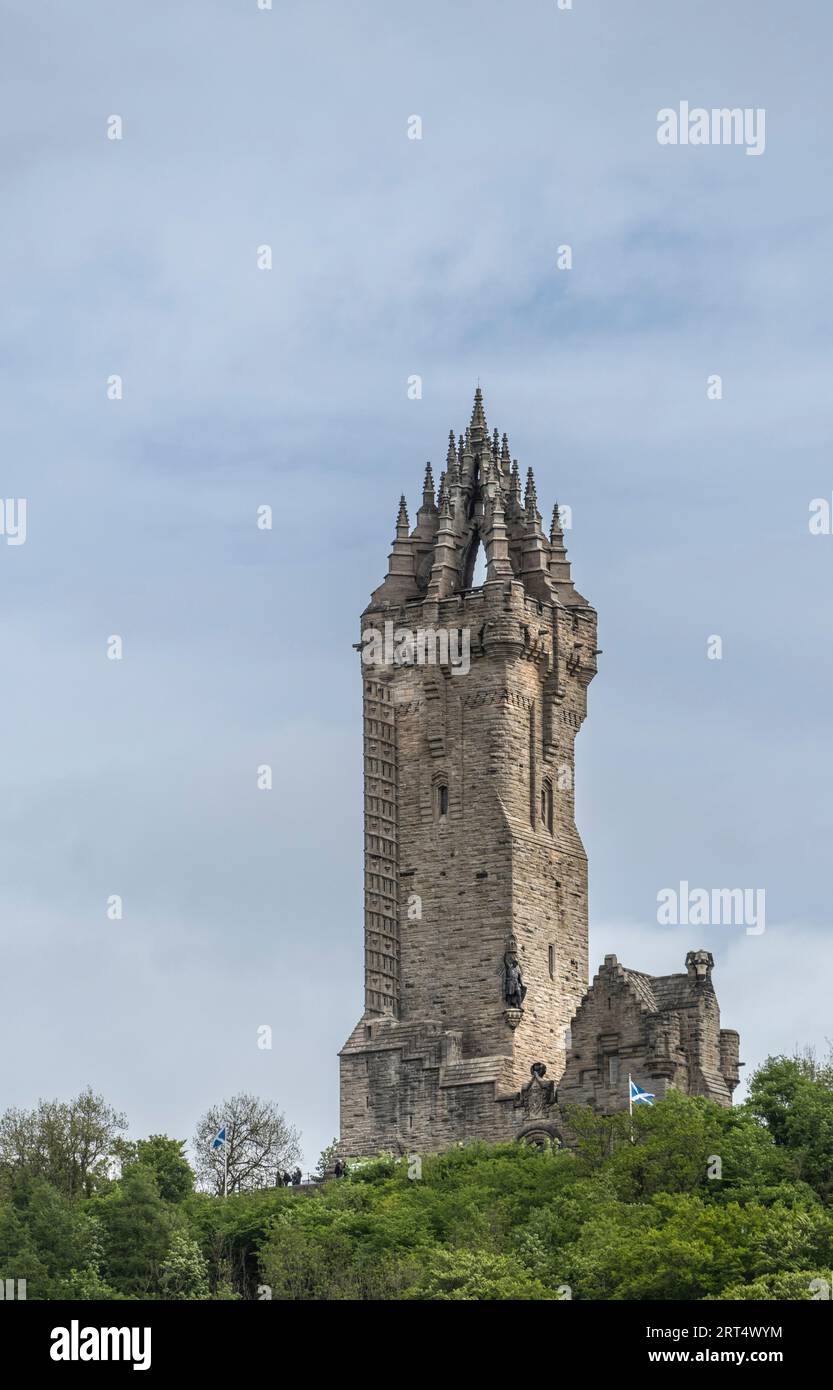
<point>478,1019</point>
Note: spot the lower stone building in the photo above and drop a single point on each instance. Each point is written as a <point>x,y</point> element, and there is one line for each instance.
<point>663,1030</point>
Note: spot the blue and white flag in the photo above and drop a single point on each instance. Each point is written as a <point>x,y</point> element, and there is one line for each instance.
<point>640,1097</point>
<point>219,1138</point>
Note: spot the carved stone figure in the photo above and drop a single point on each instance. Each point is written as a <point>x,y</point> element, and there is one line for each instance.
<point>538,1095</point>
<point>699,965</point>
<point>514,989</point>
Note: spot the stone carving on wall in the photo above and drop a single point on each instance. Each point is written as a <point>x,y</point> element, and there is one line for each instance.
<point>537,1104</point>
<point>699,965</point>
<point>514,989</point>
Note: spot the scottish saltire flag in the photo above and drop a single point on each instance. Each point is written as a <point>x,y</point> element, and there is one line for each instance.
<point>219,1138</point>
<point>640,1097</point>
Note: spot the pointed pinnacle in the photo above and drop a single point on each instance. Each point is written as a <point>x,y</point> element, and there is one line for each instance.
<point>556,533</point>
<point>452,448</point>
<point>530,494</point>
<point>428,485</point>
<point>402,522</point>
<point>441,493</point>
<point>478,417</point>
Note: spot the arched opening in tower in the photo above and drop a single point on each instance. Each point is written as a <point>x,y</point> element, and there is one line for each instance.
<point>474,569</point>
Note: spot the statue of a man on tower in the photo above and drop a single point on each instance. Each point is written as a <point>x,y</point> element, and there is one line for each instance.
<point>514,989</point>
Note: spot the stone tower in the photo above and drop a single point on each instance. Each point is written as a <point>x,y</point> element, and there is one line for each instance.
<point>476,940</point>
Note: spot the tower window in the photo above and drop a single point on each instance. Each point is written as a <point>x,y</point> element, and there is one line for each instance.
<point>552,962</point>
<point>546,804</point>
<point>613,1070</point>
<point>442,800</point>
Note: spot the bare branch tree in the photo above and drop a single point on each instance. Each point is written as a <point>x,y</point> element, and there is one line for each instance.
<point>260,1143</point>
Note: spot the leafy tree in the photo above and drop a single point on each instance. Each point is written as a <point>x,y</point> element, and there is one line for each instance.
<point>43,1235</point>
<point>793,1096</point>
<point>770,1288</point>
<point>69,1144</point>
<point>85,1285</point>
<point>680,1247</point>
<point>259,1144</point>
<point>475,1275</point>
<point>165,1158</point>
<point>326,1159</point>
<point>137,1229</point>
<point>19,1257</point>
<point>184,1274</point>
<point>230,1233</point>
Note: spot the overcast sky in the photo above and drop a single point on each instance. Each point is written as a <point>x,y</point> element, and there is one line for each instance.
<point>392,257</point>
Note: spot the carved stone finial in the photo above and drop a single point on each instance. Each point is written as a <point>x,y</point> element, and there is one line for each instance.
<point>699,965</point>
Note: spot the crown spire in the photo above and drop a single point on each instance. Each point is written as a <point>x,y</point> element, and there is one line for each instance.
<point>478,417</point>
<point>481,498</point>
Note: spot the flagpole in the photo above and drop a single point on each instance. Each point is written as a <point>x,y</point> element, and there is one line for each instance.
<point>630,1106</point>
<point>225,1165</point>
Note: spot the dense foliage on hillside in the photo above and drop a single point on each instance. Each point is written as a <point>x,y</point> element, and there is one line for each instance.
<point>687,1201</point>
